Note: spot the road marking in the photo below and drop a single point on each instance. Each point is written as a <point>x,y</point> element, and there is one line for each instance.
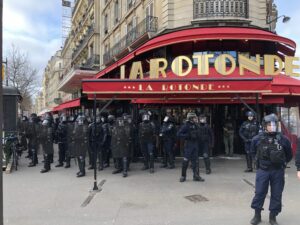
<point>92,194</point>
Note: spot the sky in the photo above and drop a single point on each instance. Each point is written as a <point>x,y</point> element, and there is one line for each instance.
<point>35,27</point>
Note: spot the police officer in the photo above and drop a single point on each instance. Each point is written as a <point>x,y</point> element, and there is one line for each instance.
<point>168,134</point>
<point>146,138</point>
<point>248,130</point>
<point>62,134</point>
<point>228,136</point>
<point>70,143</point>
<point>80,141</point>
<point>297,158</point>
<point>206,141</point>
<point>120,145</point>
<point>31,133</point>
<point>96,141</point>
<point>46,140</point>
<point>189,132</point>
<point>273,151</point>
<point>22,125</point>
<point>108,123</point>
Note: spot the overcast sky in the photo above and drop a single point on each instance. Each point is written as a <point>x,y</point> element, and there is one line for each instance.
<point>35,27</point>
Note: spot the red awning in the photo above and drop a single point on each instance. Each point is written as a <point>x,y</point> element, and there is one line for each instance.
<point>66,105</point>
<point>204,34</point>
<point>284,86</point>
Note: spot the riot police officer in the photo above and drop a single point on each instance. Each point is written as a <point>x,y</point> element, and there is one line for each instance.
<point>31,133</point>
<point>46,139</point>
<point>61,135</point>
<point>146,138</point>
<point>206,141</point>
<point>22,126</point>
<point>96,141</point>
<point>80,143</point>
<point>273,151</point>
<point>297,158</point>
<point>70,143</point>
<point>189,132</point>
<point>248,130</point>
<point>168,134</point>
<point>107,122</point>
<point>120,145</point>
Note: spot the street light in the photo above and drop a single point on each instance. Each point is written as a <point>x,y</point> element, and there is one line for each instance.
<point>284,20</point>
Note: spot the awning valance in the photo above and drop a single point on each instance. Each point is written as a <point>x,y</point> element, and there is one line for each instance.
<point>69,104</point>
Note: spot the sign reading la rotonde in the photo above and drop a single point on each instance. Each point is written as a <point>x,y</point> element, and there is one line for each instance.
<point>156,80</point>
<point>224,64</point>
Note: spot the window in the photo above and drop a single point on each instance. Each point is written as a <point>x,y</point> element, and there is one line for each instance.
<point>149,15</point>
<point>117,11</point>
<point>130,4</point>
<point>105,24</point>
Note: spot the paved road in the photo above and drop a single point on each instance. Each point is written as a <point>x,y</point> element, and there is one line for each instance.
<point>56,198</point>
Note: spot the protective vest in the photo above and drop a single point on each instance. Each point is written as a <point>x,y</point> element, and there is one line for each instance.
<point>250,129</point>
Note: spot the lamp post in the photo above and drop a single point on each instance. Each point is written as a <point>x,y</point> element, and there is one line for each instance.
<point>284,20</point>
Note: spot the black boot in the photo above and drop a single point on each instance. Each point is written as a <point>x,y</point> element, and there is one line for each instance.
<point>46,164</point>
<point>60,156</point>
<point>125,164</point>
<point>185,165</point>
<point>81,167</point>
<point>207,165</point>
<point>164,161</point>
<point>151,163</point>
<point>34,159</point>
<point>196,176</point>
<point>249,163</point>
<point>51,158</point>
<point>118,165</point>
<point>171,161</point>
<point>68,160</point>
<point>146,163</point>
<point>272,219</point>
<point>100,157</point>
<point>257,218</point>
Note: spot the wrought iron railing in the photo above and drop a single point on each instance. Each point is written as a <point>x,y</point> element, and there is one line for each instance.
<point>220,8</point>
<point>83,41</point>
<point>149,24</point>
<point>92,62</point>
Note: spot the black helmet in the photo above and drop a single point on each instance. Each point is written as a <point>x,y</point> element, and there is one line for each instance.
<point>111,118</point>
<point>250,113</point>
<point>272,121</point>
<point>146,117</point>
<point>202,118</point>
<point>80,120</point>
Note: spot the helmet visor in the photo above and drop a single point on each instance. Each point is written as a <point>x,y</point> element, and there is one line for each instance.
<point>272,126</point>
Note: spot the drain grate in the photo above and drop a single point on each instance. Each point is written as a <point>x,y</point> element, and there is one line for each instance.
<point>196,198</point>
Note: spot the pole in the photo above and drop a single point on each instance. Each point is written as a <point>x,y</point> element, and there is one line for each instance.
<point>95,188</point>
<point>1,116</point>
<point>257,107</point>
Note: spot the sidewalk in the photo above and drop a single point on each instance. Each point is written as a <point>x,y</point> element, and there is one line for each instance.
<point>56,198</point>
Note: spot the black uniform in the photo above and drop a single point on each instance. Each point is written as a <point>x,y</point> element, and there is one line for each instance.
<point>206,142</point>
<point>46,140</point>
<point>70,142</point>
<point>247,131</point>
<point>22,125</point>
<point>107,126</point>
<point>62,140</point>
<point>80,143</point>
<point>120,145</point>
<point>168,134</point>
<point>146,138</point>
<point>31,134</point>
<point>96,135</point>
<point>297,158</point>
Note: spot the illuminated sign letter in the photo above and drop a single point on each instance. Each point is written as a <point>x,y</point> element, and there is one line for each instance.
<point>251,65</point>
<point>136,70</point>
<point>122,72</point>
<point>177,66</point>
<point>270,64</point>
<point>203,63</point>
<point>155,68</point>
<point>289,66</point>
<point>220,64</point>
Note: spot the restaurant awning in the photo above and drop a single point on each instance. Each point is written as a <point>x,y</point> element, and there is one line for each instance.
<point>69,104</point>
<point>206,34</point>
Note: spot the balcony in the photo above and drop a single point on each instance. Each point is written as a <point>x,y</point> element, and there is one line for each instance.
<point>92,63</point>
<point>83,42</point>
<point>219,9</point>
<point>135,37</point>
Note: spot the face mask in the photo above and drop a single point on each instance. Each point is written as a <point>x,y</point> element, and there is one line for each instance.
<point>166,119</point>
